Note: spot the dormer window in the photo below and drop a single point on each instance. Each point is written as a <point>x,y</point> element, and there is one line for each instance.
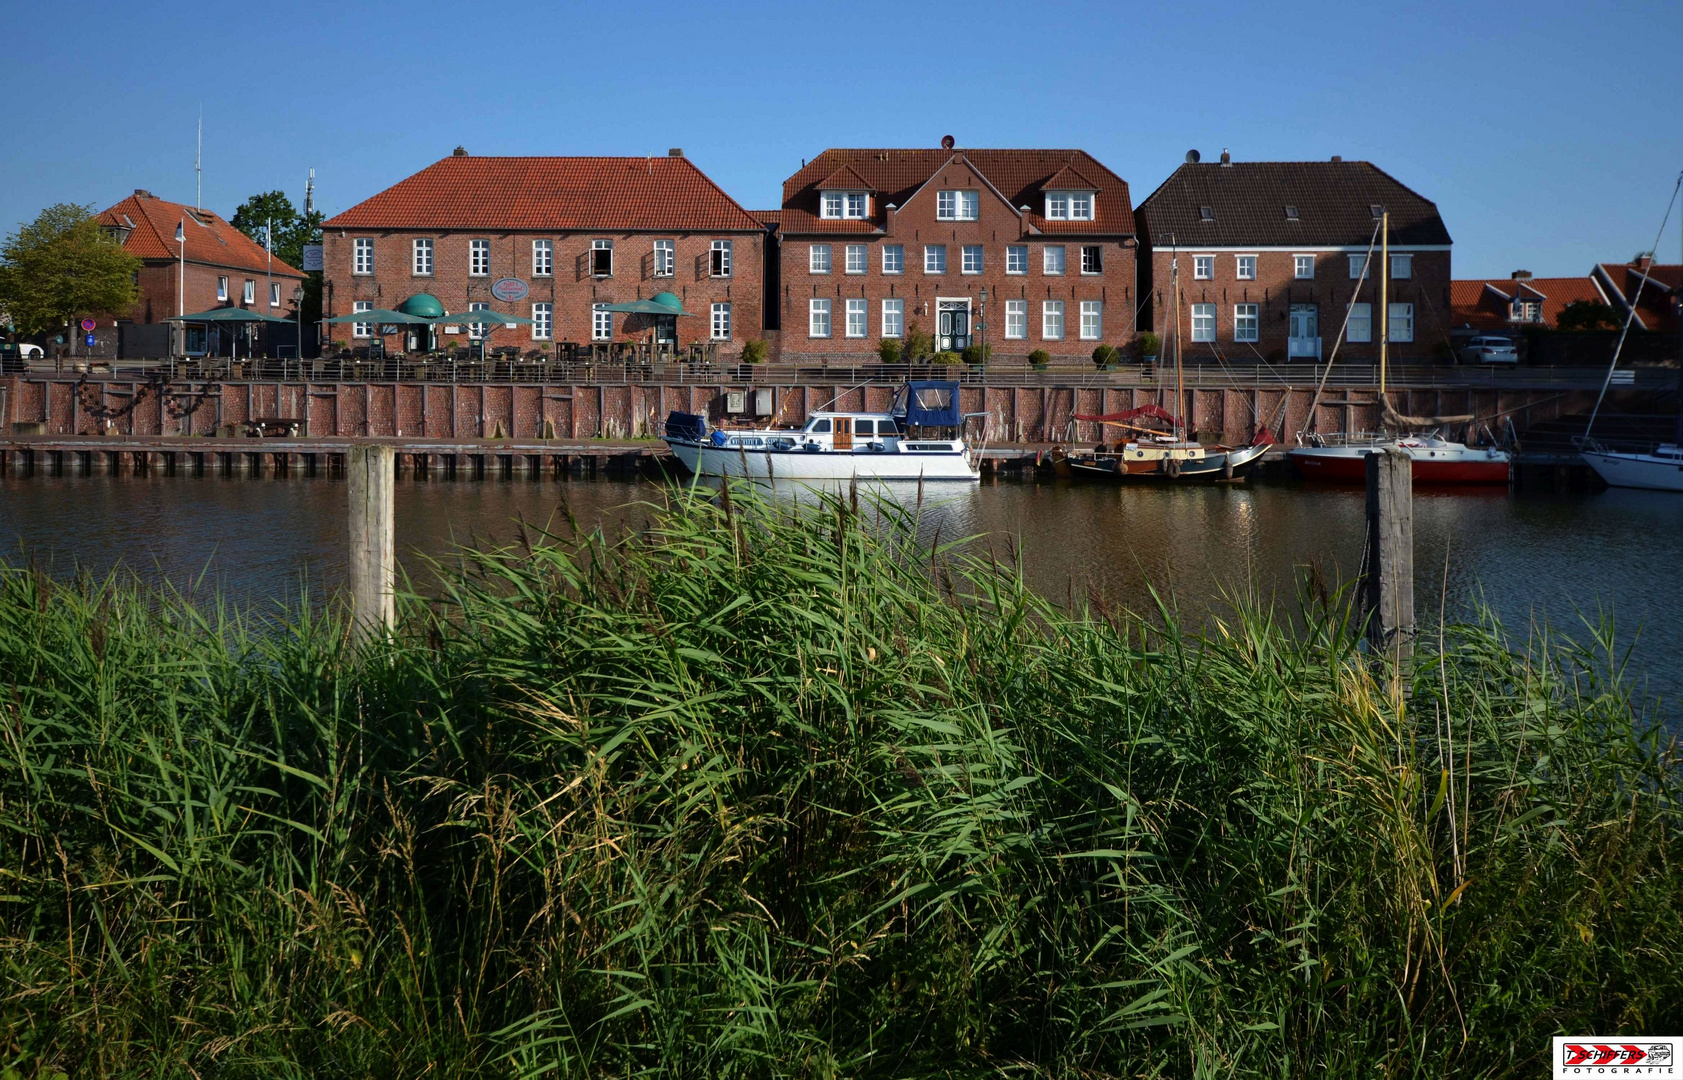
<point>1069,205</point>
<point>957,205</point>
<point>842,205</point>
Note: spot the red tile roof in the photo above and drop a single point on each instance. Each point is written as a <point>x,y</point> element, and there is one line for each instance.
<point>768,218</point>
<point>897,174</point>
<point>1656,306</point>
<point>845,179</point>
<point>1067,178</point>
<point>1484,303</point>
<point>210,239</point>
<point>562,194</point>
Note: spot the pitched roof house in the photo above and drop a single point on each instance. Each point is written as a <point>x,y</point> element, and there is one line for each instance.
<point>1653,287</point>
<point>1520,300</point>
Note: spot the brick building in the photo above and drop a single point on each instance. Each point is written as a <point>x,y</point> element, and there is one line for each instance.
<point>563,237</point>
<point>1519,302</point>
<point>218,265</point>
<point>1270,253</point>
<point>872,242</point>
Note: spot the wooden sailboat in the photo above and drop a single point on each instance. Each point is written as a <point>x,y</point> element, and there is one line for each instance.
<point>1436,460</point>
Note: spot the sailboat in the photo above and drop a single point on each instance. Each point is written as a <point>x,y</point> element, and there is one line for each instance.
<point>1342,458</point>
<point>1160,456</point>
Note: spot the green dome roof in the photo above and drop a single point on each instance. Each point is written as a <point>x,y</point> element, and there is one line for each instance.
<point>666,299</point>
<point>425,305</point>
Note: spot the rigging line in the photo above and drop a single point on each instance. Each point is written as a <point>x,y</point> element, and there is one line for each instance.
<point>1367,262</point>
<point>1630,316</point>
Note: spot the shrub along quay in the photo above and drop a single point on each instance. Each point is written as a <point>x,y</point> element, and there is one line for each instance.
<point>752,791</point>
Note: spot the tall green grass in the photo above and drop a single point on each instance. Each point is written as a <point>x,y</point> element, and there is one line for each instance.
<point>761,792</point>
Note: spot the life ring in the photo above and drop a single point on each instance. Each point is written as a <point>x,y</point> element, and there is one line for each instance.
<point>1171,468</point>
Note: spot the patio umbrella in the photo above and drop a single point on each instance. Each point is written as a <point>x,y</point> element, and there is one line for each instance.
<point>483,315</point>
<point>228,315</point>
<point>383,316</point>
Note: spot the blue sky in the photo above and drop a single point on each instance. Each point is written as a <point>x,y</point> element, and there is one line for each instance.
<point>1547,132</point>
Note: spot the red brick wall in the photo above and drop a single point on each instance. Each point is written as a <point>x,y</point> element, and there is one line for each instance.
<point>914,226</point>
<point>158,288</point>
<point>570,289</point>
<point>1276,289</point>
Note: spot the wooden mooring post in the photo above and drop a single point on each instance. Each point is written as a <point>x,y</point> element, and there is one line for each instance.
<point>1388,590</point>
<point>371,476</point>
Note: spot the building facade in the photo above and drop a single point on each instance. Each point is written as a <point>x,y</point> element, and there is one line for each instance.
<point>213,265</point>
<point>874,243</point>
<point>1276,261</point>
<point>555,240</point>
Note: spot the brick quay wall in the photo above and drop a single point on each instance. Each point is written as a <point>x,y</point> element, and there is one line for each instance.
<point>67,405</point>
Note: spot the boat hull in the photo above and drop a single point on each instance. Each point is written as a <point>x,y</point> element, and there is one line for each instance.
<point>1643,471</point>
<point>707,460</point>
<point>1213,466</point>
<point>1348,465</point>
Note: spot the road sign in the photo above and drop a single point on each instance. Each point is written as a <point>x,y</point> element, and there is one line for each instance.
<point>87,326</point>
<point>88,341</point>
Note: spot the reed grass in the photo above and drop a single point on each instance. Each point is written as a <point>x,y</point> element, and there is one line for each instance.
<point>765,792</point>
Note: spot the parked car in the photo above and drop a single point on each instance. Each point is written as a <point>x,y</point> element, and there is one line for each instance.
<point>1489,350</point>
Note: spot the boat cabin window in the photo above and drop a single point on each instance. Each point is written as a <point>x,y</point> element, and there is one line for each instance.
<point>887,427</point>
<point>819,425</point>
<point>751,441</point>
<point>864,427</point>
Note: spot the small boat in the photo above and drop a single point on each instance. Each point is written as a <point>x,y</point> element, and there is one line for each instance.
<point>1660,469</point>
<point>1162,458</point>
<point>919,438</point>
<point>1436,460</point>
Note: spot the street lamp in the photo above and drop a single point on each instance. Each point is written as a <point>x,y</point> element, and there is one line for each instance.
<point>298,306</point>
<point>982,325</point>
<point>181,283</point>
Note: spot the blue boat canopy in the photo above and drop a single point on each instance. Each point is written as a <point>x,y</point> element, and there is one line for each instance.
<point>930,404</point>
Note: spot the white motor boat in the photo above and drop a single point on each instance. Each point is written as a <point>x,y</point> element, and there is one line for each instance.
<point>1660,469</point>
<point>920,438</point>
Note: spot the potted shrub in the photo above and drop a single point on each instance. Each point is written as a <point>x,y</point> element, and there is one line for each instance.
<point>1040,358</point>
<point>976,354</point>
<point>889,350</point>
<point>1104,357</point>
<point>1149,343</point>
<point>754,352</point>
<point>948,357</point>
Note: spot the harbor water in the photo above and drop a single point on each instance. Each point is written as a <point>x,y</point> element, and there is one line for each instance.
<point>1567,561</point>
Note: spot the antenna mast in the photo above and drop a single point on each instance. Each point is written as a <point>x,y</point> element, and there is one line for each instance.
<point>310,194</point>
<point>198,162</point>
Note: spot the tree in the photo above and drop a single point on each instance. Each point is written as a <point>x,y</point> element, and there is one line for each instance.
<point>60,268</point>
<point>292,231</point>
<point>1587,315</point>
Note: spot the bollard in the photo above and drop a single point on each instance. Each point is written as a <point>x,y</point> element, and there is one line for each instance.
<point>370,475</point>
<point>1388,590</point>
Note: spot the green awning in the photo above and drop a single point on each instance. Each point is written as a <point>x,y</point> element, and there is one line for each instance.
<point>424,304</point>
<point>383,316</point>
<point>228,315</point>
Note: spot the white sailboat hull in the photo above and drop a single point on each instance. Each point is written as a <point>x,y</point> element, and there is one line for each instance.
<point>1658,471</point>
<point>703,459</point>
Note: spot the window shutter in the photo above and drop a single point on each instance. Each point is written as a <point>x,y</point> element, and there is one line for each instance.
<point>701,267</point>
<point>648,265</point>
<point>581,266</point>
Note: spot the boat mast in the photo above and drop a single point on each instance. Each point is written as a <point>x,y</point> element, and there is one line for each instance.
<point>1384,302</point>
<point>1180,372</point>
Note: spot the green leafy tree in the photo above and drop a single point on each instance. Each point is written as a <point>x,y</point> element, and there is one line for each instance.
<point>292,231</point>
<point>1587,315</point>
<point>61,267</point>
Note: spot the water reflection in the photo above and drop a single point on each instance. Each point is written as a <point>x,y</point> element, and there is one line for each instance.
<point>1554,558</point>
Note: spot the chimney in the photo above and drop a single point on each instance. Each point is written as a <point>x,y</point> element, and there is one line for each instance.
<point>676,151</point>
<point>1226,158</point>
<point>1337,157</point>
<point>142,193</point>
<point>1520,275</point>
<point>459,152</point>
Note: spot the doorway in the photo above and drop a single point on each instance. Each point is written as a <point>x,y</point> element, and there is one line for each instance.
<point>843,439</point>
<point>666,330</point>
<point>1305,334</point>
<point>952,325</point>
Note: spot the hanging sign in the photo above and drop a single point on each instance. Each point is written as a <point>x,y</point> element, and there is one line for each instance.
<point>509,288</point>
<point>312,258</point>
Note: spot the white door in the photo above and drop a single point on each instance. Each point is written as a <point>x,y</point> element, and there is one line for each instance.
<point>1305,331</point>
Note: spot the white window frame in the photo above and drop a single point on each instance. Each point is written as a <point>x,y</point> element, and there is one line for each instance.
<point>1016,320</point>
<point>818,259</point>
<point>1047,259</point>
<point>665,258</point>
<point>818,323</point>
<point>1203,268</point>
<point>1203,323</point>
<point>477,331</point>
<point>249,294</point>
<point>1070,205</point>
<point>836,205</point>
<point>602,245</point>
<point>1359,324</point>
<point>1299,263</point>
<point>720,258</point>
<point>420,257</point>
<point>1016,258</point>
<point>1082,205</point>
<point>721,321</point>
<point>858,320</point>
<point>899,253</point>
<point>1357,263</point>
<point>1402,266</point>
<point>1098,259</point>
<point>856,258</point>
<point>362,329</point>
<point>222,287</point>
<point>1400,324</point>
<point>934,258</point>
<point>958,204</point>
<point>1051,320</point>
<point>543,321</point>
<point>964,259</point>
<point>1244,267</point>
<point>274,294</point>
<point>601,323</point>
<point>894,318</point>
<point>543,258</point>
<point>857,206</point>
<point>1247,322</point>
<point>362,255</point>
<point>479,258</point>
<point>1092,320</point>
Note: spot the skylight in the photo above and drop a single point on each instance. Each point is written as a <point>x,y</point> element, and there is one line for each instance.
<point>1206,214</point>
<point>1291,213</point>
